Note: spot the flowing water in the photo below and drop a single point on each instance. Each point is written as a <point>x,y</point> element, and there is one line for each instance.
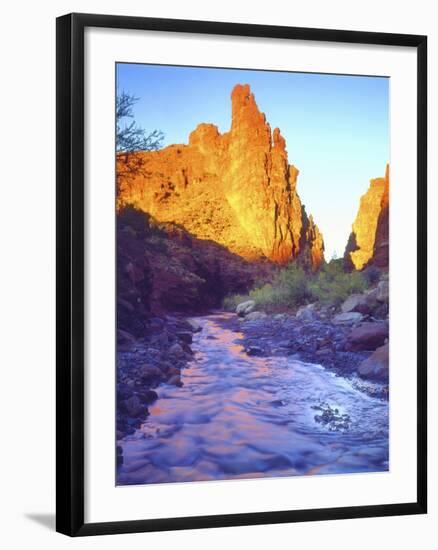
<point>239,416</point>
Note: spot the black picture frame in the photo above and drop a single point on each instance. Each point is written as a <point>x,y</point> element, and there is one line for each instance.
<point>70,273</point>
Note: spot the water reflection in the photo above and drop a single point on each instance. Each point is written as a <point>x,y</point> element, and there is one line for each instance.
<point>242,417</point>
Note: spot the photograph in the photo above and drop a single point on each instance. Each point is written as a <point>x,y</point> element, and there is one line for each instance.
<point>222,252</point>
<point>252,229</point>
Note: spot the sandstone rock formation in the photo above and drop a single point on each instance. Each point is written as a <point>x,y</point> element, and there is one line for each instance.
<point>237,188</point>
<point>380,256</point>
<point>311,243</point>
<point>369,240</point>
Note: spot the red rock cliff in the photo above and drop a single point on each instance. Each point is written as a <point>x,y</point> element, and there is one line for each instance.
<point>237,189</point>
<point>369,240</point>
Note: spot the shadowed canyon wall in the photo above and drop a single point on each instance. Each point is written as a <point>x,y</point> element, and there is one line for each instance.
<point>369,240</point>
<point>236,189</point>
<point>161,267</point>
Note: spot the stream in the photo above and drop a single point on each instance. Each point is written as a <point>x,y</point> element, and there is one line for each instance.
<point>241,416</point>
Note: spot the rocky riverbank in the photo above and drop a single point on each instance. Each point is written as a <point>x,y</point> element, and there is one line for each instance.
<point>351,341</point>
<point>144,363</point>
<point>319,341</point>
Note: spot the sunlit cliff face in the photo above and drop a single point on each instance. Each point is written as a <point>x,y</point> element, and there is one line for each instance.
<point>368,242</point>
<point>237,188</point>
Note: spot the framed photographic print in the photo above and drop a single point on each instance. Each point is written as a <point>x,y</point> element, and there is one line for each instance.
<point>241,274</point>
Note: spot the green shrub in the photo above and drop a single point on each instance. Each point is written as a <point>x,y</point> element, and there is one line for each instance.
<point>333,286</point>
<point>292,287</point>
<point>288,290</point>
<point>268,297</point>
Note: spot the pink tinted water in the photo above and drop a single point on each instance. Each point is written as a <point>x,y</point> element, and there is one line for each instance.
<point>239,416</point>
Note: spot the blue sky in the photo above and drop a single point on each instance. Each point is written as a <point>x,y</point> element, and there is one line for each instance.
<point>336,127</point>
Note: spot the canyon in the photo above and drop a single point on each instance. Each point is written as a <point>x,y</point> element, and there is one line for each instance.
<point>236,189</point>
<point>294,383</point>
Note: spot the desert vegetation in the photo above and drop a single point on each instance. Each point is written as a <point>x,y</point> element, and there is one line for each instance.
<point>292,287</point>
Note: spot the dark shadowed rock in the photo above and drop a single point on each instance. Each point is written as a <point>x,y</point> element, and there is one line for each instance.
<point>176,350</point>
<point>185,337</point>
<point>133,406</point>
<point>148,396</point>
<point>173,370</point>
<point>383,291</point>
<point>162,268</point>
<point>376,367</point>
<point>161,339</point>
<point>367,336</point>
<point>254,350</point>
<point>150,373</point>
<point>119,455</point>
<point>175,380</point>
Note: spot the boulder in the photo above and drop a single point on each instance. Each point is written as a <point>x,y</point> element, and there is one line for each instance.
<point>383,291</point>
<point>176,350</point>
<point>356,302</point>
<point>371,297</point>
<point>148,396</point>
<point>327,311</point>
<point>254,350</point>
<point>376,367</point>
<point>255,316</point>
<point>280,316</point>
<point>154,353</point>
<point>367,336</point>
<point>164,366</point>
<point>175,380</point>
<point>196,327</point>
<point>186,348</point>
<point>162,339</point>
<point>173,370</point>
<point>245,307</point>
<point>307,313</point>
<point>382,311</point>
<point>133,406</point>
<point>185,337</point>
<point>150,373</point>
<point>350,318</point>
